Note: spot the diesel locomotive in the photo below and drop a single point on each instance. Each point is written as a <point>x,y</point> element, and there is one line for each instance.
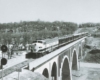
<point>42,47</point>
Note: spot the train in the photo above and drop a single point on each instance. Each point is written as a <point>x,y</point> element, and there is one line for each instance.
<point>42,47</point>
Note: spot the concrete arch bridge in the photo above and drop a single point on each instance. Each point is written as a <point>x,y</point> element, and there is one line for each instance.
<point>58,65</point>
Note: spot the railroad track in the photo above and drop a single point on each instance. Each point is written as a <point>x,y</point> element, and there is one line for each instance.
<point>14,68</point>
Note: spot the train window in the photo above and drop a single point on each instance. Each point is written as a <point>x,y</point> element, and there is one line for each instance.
<point>34,41</point>
<point>40,42</point>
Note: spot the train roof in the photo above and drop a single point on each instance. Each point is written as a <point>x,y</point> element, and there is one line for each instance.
<point>46,40</point>
<point>66,36</point>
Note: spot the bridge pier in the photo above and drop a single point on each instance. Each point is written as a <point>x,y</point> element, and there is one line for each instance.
<point>50,78</point>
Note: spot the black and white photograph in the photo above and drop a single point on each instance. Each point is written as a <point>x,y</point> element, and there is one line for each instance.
<point>49,39</point>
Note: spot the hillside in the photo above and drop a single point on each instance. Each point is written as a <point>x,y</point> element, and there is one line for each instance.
<point>92,45</point>
<point>27,32</point>
<point>90,30</point>
<point>91,40</point>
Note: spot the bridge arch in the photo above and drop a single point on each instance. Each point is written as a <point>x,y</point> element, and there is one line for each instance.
<point>74,60</point>
<point>45,73</point>
<point>54,71</point>
<point>65,69</point>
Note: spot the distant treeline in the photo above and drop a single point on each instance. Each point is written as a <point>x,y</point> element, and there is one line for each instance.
<point>26,32</point>
<point>89,25</point>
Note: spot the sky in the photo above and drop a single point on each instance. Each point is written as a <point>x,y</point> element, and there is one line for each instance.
<point>78,11</point>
